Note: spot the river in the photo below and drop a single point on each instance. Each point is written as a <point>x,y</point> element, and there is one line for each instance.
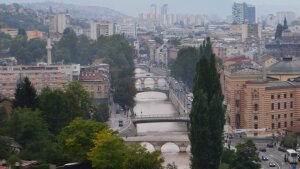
<point>151,103</point>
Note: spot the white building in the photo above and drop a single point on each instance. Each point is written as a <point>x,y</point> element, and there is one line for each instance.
<point>59,22</point>
<point>103,28</point>
<point>128,27</point>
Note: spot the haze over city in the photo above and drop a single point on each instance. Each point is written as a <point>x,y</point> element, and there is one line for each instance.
<point>219,7</point>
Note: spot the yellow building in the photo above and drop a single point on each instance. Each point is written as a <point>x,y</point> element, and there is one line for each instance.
<point>263,102</point>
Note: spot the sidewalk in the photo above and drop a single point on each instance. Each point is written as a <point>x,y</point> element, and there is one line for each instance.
<point>116,116</point>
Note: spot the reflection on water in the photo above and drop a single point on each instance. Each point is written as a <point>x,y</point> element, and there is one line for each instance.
<point>151,103</point>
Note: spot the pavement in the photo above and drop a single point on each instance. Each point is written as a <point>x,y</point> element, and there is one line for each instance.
<point>116,116</point>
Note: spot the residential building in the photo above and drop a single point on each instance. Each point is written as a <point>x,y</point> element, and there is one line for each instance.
<point>243,13</point>
<point>252,31</point>
<point>34,34</point>
<point>10,31</point>
<point>59,22</point>
<point>96,80</point>
<point>128,28</point>
<point>103,28</point>
<point>53,76</point>
<point>161,56</point>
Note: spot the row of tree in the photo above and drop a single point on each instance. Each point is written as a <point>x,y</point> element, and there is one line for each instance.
<point>56,127</point>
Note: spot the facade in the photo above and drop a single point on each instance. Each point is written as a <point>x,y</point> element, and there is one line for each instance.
<point>103,28</point>
<point>54,76</point>
<point>95,79</point>
<point>34,34</point>
<point>162,56</point>
<point>10,31</point>
<point>250,31</point>
<point>59,22</point>
<point>243,13</point>
<point>263,102</point>
<point>128,28</point>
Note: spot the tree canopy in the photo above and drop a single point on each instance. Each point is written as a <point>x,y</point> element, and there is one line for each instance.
<point>207,114</point>
<point>25,95</point>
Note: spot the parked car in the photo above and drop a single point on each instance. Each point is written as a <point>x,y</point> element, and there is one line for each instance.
<point>264,158</point>
<point>270,145</point>
<point>262,149</point>
<point>282,149</point>
<point>272,164</point>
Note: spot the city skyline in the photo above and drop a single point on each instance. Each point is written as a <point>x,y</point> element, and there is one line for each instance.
<point>212,7</point>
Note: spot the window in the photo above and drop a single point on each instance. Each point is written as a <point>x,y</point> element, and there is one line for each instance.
<point>278,106</point>
<point>272,106</point>
<point>285,116</point>
<point>273,126</point>
<point>255,126</point>
<point>272,116</point>
<point>291,105</point>
<point>272,96</point>
<point>278,96</point>
<point>291,114</point>
<point>278,126</point>
<point>278,116</point>
<point>285,124</point>
<point>284,95</point>
<point>255,118</point>
<point>292,123</point>
<point>284,105</point>
<point>255,107</point>
<point>291,95</point>
<point>237,103</point>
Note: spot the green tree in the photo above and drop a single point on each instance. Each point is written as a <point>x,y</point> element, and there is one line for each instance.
<point>290,140</point>
<point>175,41</point>
<point>158,40</point>
<point>27,126</point>
<point>139,157</point>
<point>108,151</point>
<point>56,109</point>
<point>5,148</point>
<point>228,156</point>
<point>184,68</point>
<point>207,114</point>
<point>37,49</point>
<point>22,32</point>
<point>124,92</point>
<point>171,166</point>
<point>25,95</point>
<point>246,156</point>
<point>69,41</point>
<point>77,138</point>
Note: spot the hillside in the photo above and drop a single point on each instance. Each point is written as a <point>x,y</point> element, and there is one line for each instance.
<point>16,16</point>
<point>78,11</point>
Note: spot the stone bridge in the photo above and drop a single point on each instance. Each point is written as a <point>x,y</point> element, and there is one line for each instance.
<point>160,118</point>
<point>154,78</point>
<point>181,141</point>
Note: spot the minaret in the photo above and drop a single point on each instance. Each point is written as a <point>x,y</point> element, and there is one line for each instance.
<point>49,47</point>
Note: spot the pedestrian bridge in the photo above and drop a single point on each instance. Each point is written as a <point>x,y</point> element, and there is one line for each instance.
<point>181,141</point>
<point>160,118</point>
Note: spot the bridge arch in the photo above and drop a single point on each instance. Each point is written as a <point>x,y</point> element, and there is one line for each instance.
<point>167,146</point>
<point>150,147</point>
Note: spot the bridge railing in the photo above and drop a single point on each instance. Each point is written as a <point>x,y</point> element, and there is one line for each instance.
<point>160,116</point>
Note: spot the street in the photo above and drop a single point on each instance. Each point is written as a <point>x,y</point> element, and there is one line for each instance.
<point>276,156</point>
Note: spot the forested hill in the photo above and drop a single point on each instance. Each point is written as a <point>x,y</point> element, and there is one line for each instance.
<point>17,16</point>
<point>78,11</point>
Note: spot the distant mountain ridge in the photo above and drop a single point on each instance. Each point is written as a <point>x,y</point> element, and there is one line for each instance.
<point>78,11</point>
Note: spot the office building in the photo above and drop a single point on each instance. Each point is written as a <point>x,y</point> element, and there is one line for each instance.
<point>243,13</point>
<point>251,31</point>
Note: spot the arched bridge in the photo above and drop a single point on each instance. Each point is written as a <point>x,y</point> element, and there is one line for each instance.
<point>160,118</point>
<point>142,66</point>
<point>182,141</point>
<point>156,89</point>
<point>154,78</point>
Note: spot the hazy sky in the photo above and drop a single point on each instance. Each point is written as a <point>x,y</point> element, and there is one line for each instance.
<point>220,7</point>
